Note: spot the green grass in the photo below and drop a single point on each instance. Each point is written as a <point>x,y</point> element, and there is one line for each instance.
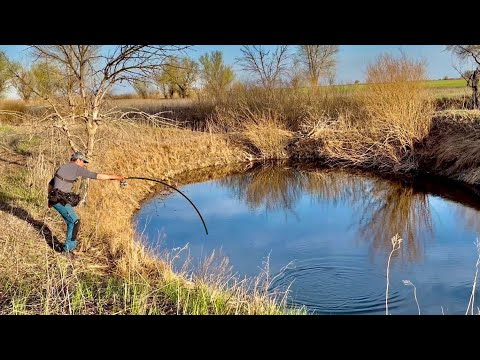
<point>80,294</point>
<point>441,88</point>
<point>19,143</point>
<point>6,133</point>
<point>5,129</point>
<point>90,294</point>
<point>14,187</point>
<point>24,146</point>
<point>453,83</point>
<point>201,300</point>
<point>441,84</point>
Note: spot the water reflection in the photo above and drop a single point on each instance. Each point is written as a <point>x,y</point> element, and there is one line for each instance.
<point>269,186</point>
<point>469,217</point>
<point>383,208</point>
<point>391,208</point>
<point>338,241</point>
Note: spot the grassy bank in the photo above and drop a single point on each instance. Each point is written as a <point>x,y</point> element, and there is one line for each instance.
<point>114,272</point>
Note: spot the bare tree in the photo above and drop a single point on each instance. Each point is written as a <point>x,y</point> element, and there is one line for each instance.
<point>89,73</point>
<point>472,53</point>
<point>318,61</point>
<point>330,76</point>
<point>296,75</point>
<point>268,67</point>
<point>24,84</point>
<point>5,74</point>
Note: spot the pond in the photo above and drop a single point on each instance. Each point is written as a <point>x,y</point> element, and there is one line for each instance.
<point>326,236</point>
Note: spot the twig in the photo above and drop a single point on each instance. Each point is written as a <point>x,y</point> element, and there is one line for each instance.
<point>69,136</point>
<point>408,282</point>
<point>396,241</point>
<point>472,295</point>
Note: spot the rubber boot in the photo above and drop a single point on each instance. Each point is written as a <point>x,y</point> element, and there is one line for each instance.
<point>69,245</point>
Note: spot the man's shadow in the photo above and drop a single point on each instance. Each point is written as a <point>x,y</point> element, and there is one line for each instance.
<point>38,225</point>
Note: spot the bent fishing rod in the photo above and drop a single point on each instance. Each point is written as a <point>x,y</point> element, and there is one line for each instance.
<point>124,183</point>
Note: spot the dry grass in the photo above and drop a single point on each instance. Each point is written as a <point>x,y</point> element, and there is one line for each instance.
<point>159,154</point>
<point>36,280</point>
<point>266,122</point>
<point>119,273</point>
<point>394,112</point>
<point>376,126</point>
<point>396,103</point>
<point>291,107</point>
<point>190,113</point>
<point>452,149</point>
<point>11,111</point>
<point>263,135</point>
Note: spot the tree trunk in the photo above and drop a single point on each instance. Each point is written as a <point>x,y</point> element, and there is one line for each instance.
<point>91,131</point>
<point>475,94</point>
<point>476,98</point>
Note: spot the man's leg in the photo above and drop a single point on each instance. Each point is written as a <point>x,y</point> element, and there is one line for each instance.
<point>73,223</point>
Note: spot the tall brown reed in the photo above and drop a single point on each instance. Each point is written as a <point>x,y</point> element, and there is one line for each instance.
<point>394,113</point>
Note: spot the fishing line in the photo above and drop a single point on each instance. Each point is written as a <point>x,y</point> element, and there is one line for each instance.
<point>123,183</point>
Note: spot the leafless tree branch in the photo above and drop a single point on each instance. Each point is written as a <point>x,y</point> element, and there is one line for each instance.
<point>268,67</point>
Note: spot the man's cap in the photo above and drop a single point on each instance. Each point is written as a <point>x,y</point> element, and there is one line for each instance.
<point>81,156</point>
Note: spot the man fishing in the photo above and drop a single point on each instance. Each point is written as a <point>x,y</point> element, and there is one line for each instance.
<point>61,198</point>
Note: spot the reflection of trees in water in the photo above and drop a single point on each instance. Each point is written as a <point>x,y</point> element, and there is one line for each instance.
<point>279,188</point>
<point>272,186</point>
<point>385,208</point>
<point>469,217</point>
<point>393,208</point>
<point>335,186</point>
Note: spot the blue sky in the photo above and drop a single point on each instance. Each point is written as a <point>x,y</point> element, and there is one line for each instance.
<point>352,59</point>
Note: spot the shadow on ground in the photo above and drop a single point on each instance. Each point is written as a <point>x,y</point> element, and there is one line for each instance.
<point>38,225</point>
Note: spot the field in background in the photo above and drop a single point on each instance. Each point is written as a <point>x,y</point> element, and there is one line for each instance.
<point>449,88</point>
<point>387,127</point>
<point>131,102</point>
<point>440,88</point>
<point>450,83</point>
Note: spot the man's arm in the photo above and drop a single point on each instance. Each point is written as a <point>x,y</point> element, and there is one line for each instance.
<point>93,175</point>
<point>110,177</point>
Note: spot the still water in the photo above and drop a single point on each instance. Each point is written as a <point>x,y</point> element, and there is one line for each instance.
<point>327,237</point>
